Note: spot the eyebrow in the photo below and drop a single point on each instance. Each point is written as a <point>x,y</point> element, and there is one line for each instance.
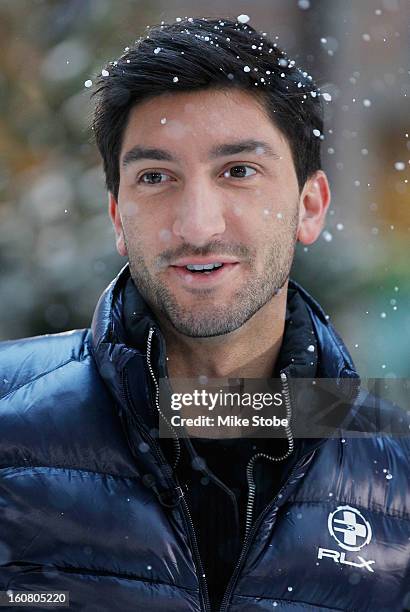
<point>138,153</point>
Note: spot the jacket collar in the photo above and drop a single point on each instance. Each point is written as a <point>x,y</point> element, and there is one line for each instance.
<point>335,360</point>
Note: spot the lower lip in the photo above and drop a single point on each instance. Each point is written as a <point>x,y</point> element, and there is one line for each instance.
<point>200,278</point>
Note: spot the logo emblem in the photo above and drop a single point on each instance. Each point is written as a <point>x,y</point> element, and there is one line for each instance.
<point>349,528</point>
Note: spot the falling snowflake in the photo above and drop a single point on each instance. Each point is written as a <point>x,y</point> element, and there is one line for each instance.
<point>88,83</point>
<point>243,18</point>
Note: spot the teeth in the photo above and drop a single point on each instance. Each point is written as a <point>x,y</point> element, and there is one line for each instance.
<point>199,267</point>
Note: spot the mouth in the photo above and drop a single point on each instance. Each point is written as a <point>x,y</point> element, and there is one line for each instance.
<point>206,272</point>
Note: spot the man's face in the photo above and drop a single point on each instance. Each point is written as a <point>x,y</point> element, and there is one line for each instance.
<point>205,202</point>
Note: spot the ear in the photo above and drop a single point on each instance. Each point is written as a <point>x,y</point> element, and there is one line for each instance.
<point>314,202</point>
<point>114,212</point>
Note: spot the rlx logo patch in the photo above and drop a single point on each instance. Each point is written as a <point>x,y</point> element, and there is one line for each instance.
<point>349,528</point>
<point>351,531</point>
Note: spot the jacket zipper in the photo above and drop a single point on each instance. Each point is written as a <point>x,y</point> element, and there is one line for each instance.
<point>151,371</point>
<point>251,463</point>
<point>248,540</point>
<point>186,512</point>
<point>202,577</point>
<point>251,484</point>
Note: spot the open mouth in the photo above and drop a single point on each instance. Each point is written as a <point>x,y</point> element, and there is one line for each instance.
<point>203,269</point>
<point>206,272</point>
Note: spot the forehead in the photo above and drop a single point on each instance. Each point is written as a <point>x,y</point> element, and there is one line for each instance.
<point>194,122</point>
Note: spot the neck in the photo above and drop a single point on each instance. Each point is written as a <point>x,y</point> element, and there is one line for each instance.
<point>250,351</point>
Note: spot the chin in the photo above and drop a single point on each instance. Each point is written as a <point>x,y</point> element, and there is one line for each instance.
<point>202,325</point>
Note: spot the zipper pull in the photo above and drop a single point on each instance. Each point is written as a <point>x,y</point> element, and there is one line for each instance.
<point>170,498</point>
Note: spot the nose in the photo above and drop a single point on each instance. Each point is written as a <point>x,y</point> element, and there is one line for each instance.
<point>199,214</point>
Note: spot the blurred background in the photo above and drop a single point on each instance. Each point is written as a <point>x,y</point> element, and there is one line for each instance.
<point>57,249</point>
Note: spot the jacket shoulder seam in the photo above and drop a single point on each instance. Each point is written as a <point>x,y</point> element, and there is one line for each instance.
<point>83,355</point>
<point>28,467</point>
<point>41,375</point>
<point>102,573</point>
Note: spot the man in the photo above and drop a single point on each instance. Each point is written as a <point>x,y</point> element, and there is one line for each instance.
<point>210,139</point>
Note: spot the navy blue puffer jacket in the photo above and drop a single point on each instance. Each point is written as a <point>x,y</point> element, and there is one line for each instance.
<point>89,503</point>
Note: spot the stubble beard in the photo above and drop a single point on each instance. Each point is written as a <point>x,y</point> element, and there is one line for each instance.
<point>209,318</point>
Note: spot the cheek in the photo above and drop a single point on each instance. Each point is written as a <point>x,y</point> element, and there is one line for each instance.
<point>238,209</point>
<point>164,236</point>
<point>129,209</point>
<point>148,228</point>
<point>249,204</point>
<point>269,211</point>
<point>277,209</point>
<point>259,217</point>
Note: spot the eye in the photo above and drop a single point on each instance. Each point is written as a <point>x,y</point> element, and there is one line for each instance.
<point>152,178</point>
<point>240,171</point>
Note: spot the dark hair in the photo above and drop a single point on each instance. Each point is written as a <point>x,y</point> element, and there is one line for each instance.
<point>200,53</point>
